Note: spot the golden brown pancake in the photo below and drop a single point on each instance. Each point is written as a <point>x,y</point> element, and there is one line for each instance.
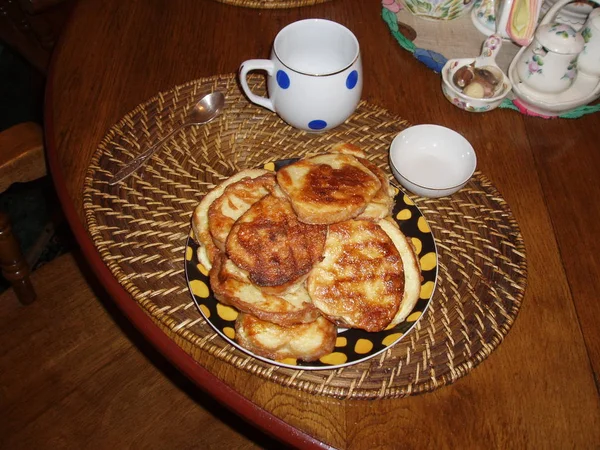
<point>360,281</point>
<point>328,188</point>
<point>412,269</point>
<point>382,202</point>
<point>235,200</point>
<point>348,149</point>
<point>200,226</point>
<point>273,245</point>
<point>307,341</point>
<point>231,286</point>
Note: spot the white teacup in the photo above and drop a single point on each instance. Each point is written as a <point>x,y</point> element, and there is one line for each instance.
<point>314,75</point>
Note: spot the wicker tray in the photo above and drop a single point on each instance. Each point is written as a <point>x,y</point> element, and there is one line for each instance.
<point>140,228</point>
<point>272,4</point>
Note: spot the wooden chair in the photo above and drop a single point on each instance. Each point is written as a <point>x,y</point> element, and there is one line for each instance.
<point>21,160</point>
<point>31,27</point>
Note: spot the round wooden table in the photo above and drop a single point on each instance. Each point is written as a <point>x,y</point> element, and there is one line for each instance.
<point>538,389</point>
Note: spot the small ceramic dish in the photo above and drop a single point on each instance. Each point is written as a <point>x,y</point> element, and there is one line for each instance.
<point>487,61</point>
<point>431,160</point>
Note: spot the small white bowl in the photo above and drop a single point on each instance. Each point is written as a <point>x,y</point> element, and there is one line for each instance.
<point>431,160</point>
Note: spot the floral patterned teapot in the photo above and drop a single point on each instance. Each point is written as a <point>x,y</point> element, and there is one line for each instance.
<point>589,59</point>
<point>549,64</point>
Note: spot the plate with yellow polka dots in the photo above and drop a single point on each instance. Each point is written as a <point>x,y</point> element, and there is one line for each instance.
<point>352,345</point>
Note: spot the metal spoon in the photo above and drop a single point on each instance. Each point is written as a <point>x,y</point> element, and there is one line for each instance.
<point>209,107</point>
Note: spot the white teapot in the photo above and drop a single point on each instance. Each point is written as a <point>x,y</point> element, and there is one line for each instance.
<point>549,64</point>
<point>589,59</point>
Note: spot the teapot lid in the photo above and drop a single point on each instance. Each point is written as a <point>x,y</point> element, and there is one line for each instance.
<point>560,38</point>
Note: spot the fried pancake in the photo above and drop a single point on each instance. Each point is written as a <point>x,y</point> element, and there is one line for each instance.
<point>328,188</point>
<point>348,149</point>
<point>307,341</point>
<point>231,286</point>
<point>273,245</point>
<point>382,202</point>
<point>200,226</point>
<point>412,270</point>
<point>235,200</point>
<point>360,281</point>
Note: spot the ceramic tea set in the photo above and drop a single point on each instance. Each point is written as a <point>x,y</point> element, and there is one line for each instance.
<point>557,68</point>
<point>560,69</point>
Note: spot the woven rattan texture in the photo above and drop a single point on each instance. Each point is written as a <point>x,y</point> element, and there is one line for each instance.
<point>272,4</point>
<point>140,228</point>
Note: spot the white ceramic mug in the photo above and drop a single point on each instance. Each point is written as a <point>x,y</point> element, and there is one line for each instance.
<point>314,78</point>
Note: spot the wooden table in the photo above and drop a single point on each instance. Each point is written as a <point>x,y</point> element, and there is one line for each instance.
<point>538,389</point>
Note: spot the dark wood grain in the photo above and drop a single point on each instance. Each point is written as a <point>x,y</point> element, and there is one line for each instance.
<point>568,166</point>
<point>31,27</point>
<point>66,384</point>
<point>537,390</point>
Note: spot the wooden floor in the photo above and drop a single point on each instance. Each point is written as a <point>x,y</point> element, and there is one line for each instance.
<point>74,374</point>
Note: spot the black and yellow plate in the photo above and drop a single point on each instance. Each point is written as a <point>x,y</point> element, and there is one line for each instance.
<point>352,345</point>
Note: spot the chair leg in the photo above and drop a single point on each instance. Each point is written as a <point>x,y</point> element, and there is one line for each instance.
<point>13,265</point>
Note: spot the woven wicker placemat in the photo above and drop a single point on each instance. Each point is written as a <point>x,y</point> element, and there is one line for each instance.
<point>272,4</point>
<point>140,228</point>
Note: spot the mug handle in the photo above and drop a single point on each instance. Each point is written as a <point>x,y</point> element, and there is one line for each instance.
<point>256,64</point>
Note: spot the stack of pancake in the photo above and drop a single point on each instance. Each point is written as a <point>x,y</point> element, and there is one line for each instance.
<point>306,250</point>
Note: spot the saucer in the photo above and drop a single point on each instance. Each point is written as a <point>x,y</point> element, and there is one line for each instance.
<point>584,90</point>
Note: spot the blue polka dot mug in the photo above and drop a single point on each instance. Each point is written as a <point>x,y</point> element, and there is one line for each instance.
<point>314,77</point>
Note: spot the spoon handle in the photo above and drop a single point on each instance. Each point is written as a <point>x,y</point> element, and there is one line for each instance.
<point>142,158</point>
